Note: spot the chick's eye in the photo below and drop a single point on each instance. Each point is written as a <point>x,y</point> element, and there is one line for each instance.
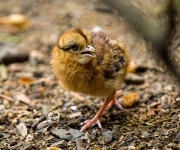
<point>73,46</point>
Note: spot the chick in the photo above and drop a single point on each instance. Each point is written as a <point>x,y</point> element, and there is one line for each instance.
<point>91,63</point>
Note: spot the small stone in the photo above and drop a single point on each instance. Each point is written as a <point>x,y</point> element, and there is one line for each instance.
<point>96,29</point>
<point>178,137</point>
<point>2,108</point>
<point>108,135</point>
<point>73,107</point>
<point>69,134</point>
<point>45,109</point>
<point>168,88</point>
<point>145,134</point>
<point>69,143</point>
<point>29,137</point>
<point>131,147</point>
<point>11,115</point>
<point>142,110</point>
<point>50,114</point>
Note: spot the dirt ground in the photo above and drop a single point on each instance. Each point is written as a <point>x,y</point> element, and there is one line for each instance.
<point>36,113</point>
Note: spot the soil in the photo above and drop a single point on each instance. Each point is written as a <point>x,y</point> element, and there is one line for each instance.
<point>36,113</point>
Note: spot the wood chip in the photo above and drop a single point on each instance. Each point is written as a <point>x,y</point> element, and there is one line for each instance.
<point>76,114</point>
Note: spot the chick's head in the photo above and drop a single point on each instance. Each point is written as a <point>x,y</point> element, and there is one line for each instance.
<point>76,44</point>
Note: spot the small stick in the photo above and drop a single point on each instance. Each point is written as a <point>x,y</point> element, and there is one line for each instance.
<point>38,121</point>
<point>6,97</point>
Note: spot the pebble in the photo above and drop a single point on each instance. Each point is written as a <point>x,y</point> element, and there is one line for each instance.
<point>50,114</point>
<point>68,134</point>
<point>108,135</point>
<point>73,107</point>
<point>131,147</point>
<point>168,88</point>
<point>45,109</point>
<point>96,29</point>
<point>145,134</point>
<point>29,137</point>
<point>178,137</point>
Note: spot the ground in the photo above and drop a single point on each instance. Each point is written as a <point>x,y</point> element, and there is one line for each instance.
<point>36,113</point>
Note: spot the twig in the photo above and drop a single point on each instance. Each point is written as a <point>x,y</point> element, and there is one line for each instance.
<point>6,97</point>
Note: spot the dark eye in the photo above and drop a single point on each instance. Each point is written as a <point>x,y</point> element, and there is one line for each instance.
<point>73,47</point>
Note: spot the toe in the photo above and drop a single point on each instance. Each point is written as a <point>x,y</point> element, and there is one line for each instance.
<point>88,124</point>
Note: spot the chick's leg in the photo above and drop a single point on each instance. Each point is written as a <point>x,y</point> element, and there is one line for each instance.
<point>115,101</point>
<point>89,123</point>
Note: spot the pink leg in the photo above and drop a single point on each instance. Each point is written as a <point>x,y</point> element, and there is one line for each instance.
<point>89,123</point>
<point>115,101</point>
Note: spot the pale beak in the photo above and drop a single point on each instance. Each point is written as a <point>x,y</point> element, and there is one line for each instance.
<point>88,51</point>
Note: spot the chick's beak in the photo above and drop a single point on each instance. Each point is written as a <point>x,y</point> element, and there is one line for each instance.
<point>88,51</point>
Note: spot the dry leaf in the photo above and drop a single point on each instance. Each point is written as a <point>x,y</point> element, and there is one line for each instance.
<point>16,20</point>
<point>23,98</point>
<point>22,129</point>
<point>26,81</point>
<point>130,99</point>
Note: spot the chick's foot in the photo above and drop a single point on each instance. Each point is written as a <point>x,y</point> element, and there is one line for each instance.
<point>89,123</point>
<point>114,101</point>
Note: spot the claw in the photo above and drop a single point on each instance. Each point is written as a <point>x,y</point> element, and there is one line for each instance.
<point>89,123</point>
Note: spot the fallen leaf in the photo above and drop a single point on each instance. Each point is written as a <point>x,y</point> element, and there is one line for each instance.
<point>17,20</point>
<point>22,129</point>
<point>130,99</point>
<point>26,80</point>
<point>23,98</point>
